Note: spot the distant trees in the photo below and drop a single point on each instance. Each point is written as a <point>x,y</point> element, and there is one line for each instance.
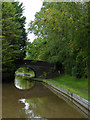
<point>62,36</point>
<point>14,36</point>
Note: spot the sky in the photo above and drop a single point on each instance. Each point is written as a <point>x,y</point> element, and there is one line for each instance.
<point>31,7</point>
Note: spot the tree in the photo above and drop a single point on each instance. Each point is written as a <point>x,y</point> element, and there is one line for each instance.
<point>62,29</point>
<point>13,37</point>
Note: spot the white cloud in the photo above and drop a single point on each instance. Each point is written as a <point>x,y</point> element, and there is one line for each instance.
<point>31,7</point>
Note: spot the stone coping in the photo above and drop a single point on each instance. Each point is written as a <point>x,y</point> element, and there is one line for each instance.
<point>82,104</point>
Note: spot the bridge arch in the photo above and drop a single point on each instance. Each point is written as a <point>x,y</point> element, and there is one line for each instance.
<point>21,66</point>
<point>42,69</point>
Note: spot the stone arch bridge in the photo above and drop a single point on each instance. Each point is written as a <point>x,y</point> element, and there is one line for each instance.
<point>41,68</point>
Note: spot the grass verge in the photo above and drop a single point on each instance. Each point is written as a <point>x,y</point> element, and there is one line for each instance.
<point>71,84</point>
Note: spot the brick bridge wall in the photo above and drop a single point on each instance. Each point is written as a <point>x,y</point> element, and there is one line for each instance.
<point>42,69</point>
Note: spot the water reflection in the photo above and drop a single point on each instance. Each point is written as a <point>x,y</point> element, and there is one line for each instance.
<point>22,82</point>
<point>39,107</point>
<point>38,102</point>
<point>28,108</point>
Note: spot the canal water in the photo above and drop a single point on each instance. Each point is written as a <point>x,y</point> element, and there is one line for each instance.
<point>36,101</point>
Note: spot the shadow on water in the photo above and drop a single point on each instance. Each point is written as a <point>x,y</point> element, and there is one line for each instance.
<point>28,99</point>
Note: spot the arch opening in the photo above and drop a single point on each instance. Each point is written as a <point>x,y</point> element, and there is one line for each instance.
<point>26,71</point>
<point>22,78</point>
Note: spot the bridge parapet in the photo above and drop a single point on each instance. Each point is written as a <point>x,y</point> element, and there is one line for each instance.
<point>38,63</point>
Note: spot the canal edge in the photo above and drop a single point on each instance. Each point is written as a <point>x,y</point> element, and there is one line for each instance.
<point>80,103</point>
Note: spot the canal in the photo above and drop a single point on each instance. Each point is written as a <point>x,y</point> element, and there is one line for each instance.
<point>25,99</point>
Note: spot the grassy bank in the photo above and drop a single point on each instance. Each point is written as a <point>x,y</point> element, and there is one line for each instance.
<point>71,84</point>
